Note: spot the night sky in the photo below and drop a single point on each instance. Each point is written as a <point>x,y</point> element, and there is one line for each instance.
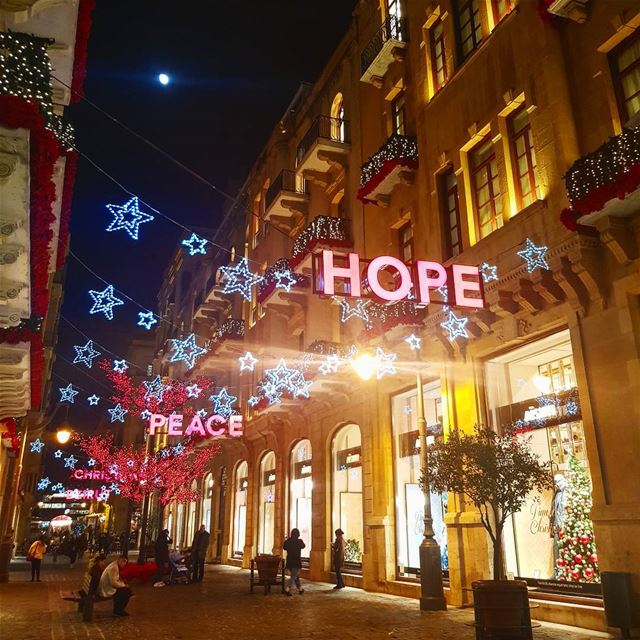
<point>235,66</point>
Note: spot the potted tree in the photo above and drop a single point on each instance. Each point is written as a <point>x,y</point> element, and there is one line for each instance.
<point>496,473</point>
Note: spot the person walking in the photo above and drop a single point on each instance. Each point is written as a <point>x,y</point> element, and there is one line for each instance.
<point>72,550</point>
<point>199,548</point>
<point>112,586</point>
<point>35,555</point>
<point>293,545</point>
<point>337,549</point>
<point>161,557</point>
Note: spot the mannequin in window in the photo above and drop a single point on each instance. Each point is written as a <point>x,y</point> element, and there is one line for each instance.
<point>556,517</point>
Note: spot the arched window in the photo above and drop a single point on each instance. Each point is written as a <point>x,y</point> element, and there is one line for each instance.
<point>300,488</point>
<point>207,493</point>
<point>191,517</point>
<point>337,118</point>
<point>346,489</point>
<point>266,506</point>
<point>241,487</point>
<point>177,540</point>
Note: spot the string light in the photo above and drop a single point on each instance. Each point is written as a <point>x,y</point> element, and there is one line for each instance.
<point>93,400</point>
<point>36,445</point>
<point>195,244</point>
<point>117,413</point>
<point>534,256</point>
<point>57,488</point>
<point>43,483</point>
<point>285,279</point>
<point>120,366</point>
<point>330,365</point>
<point>104,301</point>
<point>91,462</point>
<point>358,310</point>
<point>67,394</point>
<point>128,217</point>
<point>86,354</point>
<point>202,413</point>
<point>323,229</point>
<point>253,401</point>
<point>146,414</point>
<point>155,389</point>
<point>455,327</point>
<point>247,362</point>
<point>238,279</point>
<point>488,272</point>
<point>186,350</point>
<point>222,402</point>
<point>57,454</point>
<point>146,319</point>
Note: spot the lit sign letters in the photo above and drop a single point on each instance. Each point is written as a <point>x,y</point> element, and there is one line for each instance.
<point>87,474</point>
<point>463,282</point>
<point>214,426</point>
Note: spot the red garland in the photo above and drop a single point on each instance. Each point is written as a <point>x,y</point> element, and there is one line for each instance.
<point>65,210</point>
<point>83,28</point>
<point>384,171</point>
<point>311,245</point>
<point>9,430</point>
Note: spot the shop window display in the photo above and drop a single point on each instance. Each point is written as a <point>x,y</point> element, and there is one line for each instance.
<point>300,489</point>
<point>177,539</point>
<point>346,487</point>
<point>266,507</point>
<point>207,493</point>
<point>533,390</point>
<point>191,517</point>
<point>241,487</point>
<point>409,496</point>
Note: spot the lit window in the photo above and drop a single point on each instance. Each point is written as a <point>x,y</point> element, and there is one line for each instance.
<point>397,115</point>
<point>524,158</point>
<point>405,238</point>
<point>394,14</point>
<point>438,59</point>
<point>469,27</point>
<point>500,8</point>
<point>450,212</point>
<point>486,188</point>
<point>626,72</point>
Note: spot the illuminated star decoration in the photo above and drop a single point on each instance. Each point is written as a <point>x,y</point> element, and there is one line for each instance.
<point>283,378</point>
<point>186,350</point>
<point>193,391</point>
<point>67,394</point>
<point>113,469</point>
<point>444,292</point>
<point>93,400</point>
<point>571,408</point>
<point>222,402</point>
<point>239,279</point>
<point>128,217</point>
<point>196,244</point>
<point>115,488</point>
<point>271,393</point>
<point>413,341</point>
<point>155,389</point>
<point>91,462</point>
<point>247,362</point>
<point>120,366</point>
<point>202,412</point>
<point>85,354</point>
<point>358,310</point>
<point>43,483</point>
<point>36,446</point>
<point>70,462</point>
<point>146,414</point>
<point>285,279</point>
<point>58,454</point>
<point>488,272</point>
<point>455,326</point>
<point>534,256</point>
<point>253,401</point>
<point>117,413</point>
<point>178,449</point>
<point>146,319</point>
<point>330,365</point>
<point>385,363</point>
<point>104,301</point>
<point>58,488</point>
<point>130,463</point>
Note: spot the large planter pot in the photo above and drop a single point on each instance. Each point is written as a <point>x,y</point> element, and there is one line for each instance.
<point>268,566</point>
<point>501,610</point>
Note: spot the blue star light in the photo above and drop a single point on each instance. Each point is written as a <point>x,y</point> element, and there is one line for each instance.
<point>70,462</point>
<point>130,463</point>
<point>58,454</point>
<point>571,408</point>
<point>285,279</point>
<point>85,354</point>
<point>455,326</point>
<point>117,413</point>
<point>67,394</point>
<point>488,272</point>
<point>120,366</point>
<point>193,391</point>
<point>239,279</point>
<point>58,488</point>
<point>146,319</point>
<point>284,379</point>
<point>128,217</point>
<point>91,462</point>
<point>534,256</point>
<point>202,413</point>
<point>146,414</point>
<point>247,362</point>
<point>196,244</point>
<point>178,449</point>
<point>113,469</point>
<point>186,350</point>
<point>253,401</point>
<point>222,402</point>
<point>413,341</point>
<point>43,483</point>
<point>36,446</point>
<point>330,365</point>
<point>272,393</point>
<point>155,389</point>
<point>93,400</point>
<point>104,301</point>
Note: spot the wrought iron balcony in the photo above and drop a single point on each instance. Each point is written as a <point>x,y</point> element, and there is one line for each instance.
<point>386,46</point>
<point>606,182</point>
<point>395,162</point>
<point>286,199</point>
<point>324,142</point>
<point>323,232</point>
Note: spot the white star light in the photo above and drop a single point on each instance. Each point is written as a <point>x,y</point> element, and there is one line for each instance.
<point>247,362</point>
<point>104,301</point>
<point>253,401</point>
<point>222,402</point>
<point>113,469</point>
<point>146,414</point>
<point>285,279</point>
<point>85,354</point>
<point>58,454</point>
<point>70,462</point>
<point>58,488</point>
<point>413,341</point>
<point>385,363</point>
<point>239,279</point>
<point>488,272</point>
<point>202,413</point>
<point>43,484</point>
<point>117,413</point>
<point>93,400</point>
<point>330,365</point>
<point>271,393</point>
<point>91,462</point>
<point>186,350</point>
<point>67,394</point>
<point>146,319</point>
<point>36,445</point>
<point>178,449</point>
<point>120,366</point>
<point>134,217</point>
<point>455,326</point>
<point>196,244</point>
<point>534,256</point>
<point>193,391</point>
<point>155,389</point>
<point>358,310</point>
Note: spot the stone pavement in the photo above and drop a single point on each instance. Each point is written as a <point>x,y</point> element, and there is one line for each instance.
<point>222,608</point>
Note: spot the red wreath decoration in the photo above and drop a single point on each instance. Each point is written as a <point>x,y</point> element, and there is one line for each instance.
<point>83,28</point>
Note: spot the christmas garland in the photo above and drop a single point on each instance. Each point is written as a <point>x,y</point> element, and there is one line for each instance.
<point>268,283</point>
<point>322,230</point>
<point>83,28</point>
<point>9,431</point>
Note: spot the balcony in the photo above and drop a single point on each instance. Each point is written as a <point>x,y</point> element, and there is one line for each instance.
<point>394,163</point>
<point>386,46</point>
<point>286,200</point>
<point>279,279</point>
<point>325,143</point>
<point>231,330</point>
<point>606,182</point>
<point>324,232</point>
<point>213,300</point>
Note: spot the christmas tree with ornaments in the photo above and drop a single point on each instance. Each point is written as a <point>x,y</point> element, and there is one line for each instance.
<point>577,557</point>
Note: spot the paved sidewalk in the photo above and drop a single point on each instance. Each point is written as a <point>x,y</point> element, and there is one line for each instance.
<point>221,608</point>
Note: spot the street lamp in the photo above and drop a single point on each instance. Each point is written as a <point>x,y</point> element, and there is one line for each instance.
<point>63,435</point>
<point>431,590</point>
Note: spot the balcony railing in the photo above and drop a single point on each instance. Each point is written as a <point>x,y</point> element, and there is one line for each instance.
<point>287,181</point>
<point>393,29</point>
<point>230,329</point>
<point>323,128</point>
<point>323,230</point>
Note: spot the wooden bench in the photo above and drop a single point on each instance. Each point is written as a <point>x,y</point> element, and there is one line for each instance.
<point>85,600</point>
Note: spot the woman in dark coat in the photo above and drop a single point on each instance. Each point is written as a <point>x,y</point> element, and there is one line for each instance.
<point>161,556</point>
<point>293,545</point>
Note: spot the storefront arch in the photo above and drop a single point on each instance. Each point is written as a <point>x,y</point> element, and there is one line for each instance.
<point>266,501</point>
<point>205,506</point>
<point>300,491</point>
<point>239,520</point>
